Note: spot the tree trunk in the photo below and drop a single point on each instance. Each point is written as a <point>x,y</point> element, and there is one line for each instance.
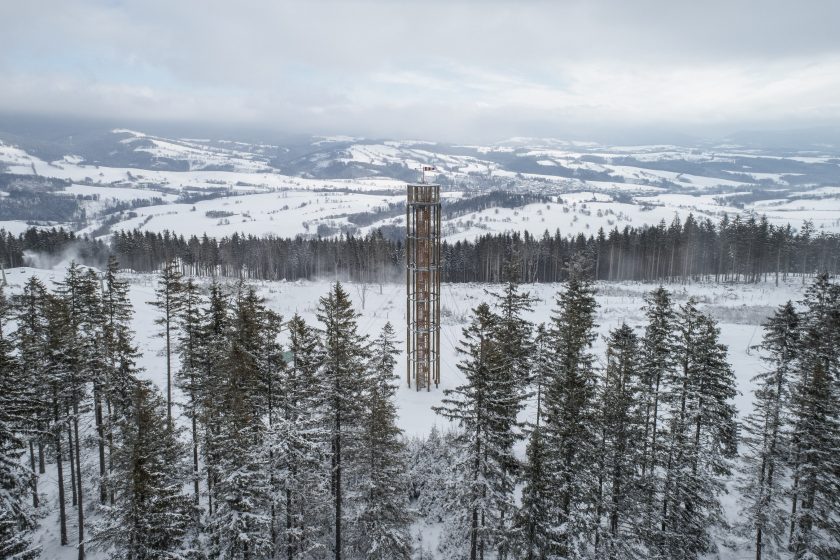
<point>110,445</point>
<point>289,543</point>
<point>81,508</point>
<point>34,482</point>
<point>62,514</point>
<point>42,468</point>
<point>168,371</point>
<point>195,457</point>
<point>70,450</point>
<point>100,436</point>
<point>337,443</point>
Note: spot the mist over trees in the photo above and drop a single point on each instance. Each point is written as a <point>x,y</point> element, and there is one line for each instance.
<point>740,249</point>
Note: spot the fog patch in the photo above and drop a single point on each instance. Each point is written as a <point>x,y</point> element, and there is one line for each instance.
<point>62,259</point>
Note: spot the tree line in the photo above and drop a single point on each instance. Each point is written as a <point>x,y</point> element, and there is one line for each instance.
<point>741,249</point>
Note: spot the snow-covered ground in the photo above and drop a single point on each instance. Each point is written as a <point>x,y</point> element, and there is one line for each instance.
<point>620,185</point>
<point>16,227</point>
<point>283,214</point>
<point>18,161</point>
<point>740,310</point>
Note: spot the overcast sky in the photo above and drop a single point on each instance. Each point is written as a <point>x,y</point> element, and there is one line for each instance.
<point>441,70</point>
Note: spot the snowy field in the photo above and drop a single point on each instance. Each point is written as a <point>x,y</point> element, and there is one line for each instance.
<point>295,212</point>
<point>282,214</point>
<point>72,168</point>
<point>739,309</point>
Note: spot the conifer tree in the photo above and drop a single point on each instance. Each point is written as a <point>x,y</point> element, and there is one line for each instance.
<point>151,515</point>
<point>241,521</point>
<point>270,368</point>
<point>16,522</point>
<point>79,292</point>
<point>189,376</point>
<point>213,351</point>
<point>29,339</point>
<point>381,519</point>
<point>534,516</point>
<point>297,441</point>
<point>168,300</point>
<point>657,364</point>
<point>815,530</point>
<point>240,525</point>
<point>430,460</point>
<point>701,437</point>
<point>343,386</point>
<point>120,355</point>
<point>622,424</point>
<point>513,336</point>
<point>94,362</point>
<point>60,362</point>
<point>118,340</point>
<point>483,481</point>
<point>766,437</point>
<point>570,431</point>
<point>514,332</point>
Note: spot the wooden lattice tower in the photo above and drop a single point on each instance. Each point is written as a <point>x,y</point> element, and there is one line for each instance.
<point>422,279</point>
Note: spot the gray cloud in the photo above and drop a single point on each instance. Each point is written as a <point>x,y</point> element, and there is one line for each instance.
<point>451,70</point>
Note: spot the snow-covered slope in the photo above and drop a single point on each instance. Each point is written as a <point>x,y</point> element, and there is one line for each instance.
<point>635,185</point>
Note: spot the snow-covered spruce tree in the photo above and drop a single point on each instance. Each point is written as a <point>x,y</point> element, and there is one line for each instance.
<point>214,339</point>
<point>118,340</point>
<point>700,438</point>
<point>430,460</point>
<point>168,300</point>
<point>483,481</point>
<point>513,331</point>
<point>343,383</point>
<point>513,335</point>
<point>766,439</point>
<point>379,528</point>
<point>570,434</point>
<point>240,524</point>
<point>61,361</point>
<point>270,366</point>
<point>79,292</point>
<point>29,339</point>
<point>297,440</point>
<point>188,378</point>
<point>534,515</point>
<point>150,514</point>
<point>120,356</point>
<point>95,360</point>
<point>815,522</point>
<point>657,363</point>
<point>815,529</point>
<point>622,500</point>
<point>16,522</point>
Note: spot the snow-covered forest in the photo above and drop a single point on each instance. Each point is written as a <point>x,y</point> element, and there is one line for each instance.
<point>448,280</point>
<point>215,427</point>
